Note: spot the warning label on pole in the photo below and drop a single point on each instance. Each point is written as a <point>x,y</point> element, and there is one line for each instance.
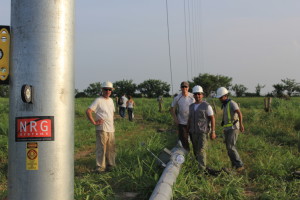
<point>35,128</point>
<point>32,156</point>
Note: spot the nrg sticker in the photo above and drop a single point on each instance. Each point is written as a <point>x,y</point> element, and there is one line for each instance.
<point>35,128</point>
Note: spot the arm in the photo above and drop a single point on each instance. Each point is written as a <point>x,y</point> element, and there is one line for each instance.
<point>89,114</point>
<point>174,115</point>
<point>213,127</point>
<point>242,129</point>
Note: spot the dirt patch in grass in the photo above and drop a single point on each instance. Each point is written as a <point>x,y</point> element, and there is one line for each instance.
<point>84,152</point>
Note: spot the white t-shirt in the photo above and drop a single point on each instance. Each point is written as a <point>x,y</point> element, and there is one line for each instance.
<point>183,103</point>
<point>209,110</point>
<point>104,109</point>
<point>124,101</point>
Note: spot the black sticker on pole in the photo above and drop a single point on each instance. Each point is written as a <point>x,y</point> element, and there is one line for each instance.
<point>37,128</point>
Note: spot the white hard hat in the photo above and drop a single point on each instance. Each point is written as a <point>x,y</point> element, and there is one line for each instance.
<point>197,89</point>
<point>107,84</point>
<point>221,92</point>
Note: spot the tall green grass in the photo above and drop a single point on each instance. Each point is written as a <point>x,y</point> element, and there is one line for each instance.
<point>268,148</point>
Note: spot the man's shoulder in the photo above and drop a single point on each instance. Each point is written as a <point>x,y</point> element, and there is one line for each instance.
<point>190,95</point>
<point>206,103</point>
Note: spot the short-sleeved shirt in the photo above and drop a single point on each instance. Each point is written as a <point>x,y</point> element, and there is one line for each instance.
<point>124,101</point>
<point>183,103</point>
<point>209,110</point>
<point>104,109</point>
<point>234,116</point>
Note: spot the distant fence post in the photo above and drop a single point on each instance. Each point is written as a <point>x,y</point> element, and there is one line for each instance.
<point>214,106</point>
<point>267,103</point>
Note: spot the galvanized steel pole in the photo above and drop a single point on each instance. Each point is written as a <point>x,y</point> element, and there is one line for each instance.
<point>41,141</point>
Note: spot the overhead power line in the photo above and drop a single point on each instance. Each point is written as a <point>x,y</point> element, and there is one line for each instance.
<point>170,60</point>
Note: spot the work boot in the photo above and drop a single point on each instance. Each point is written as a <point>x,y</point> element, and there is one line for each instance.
<point>240,169</point>
<point>100,170</point>
<point>212,172</point>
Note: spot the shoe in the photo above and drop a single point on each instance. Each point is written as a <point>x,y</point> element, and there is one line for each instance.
<point>100,170</point>
<point>212,172</point>
<point>240,169</point>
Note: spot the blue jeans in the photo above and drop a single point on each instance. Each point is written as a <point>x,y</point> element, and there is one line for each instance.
<point>231,137</point>
<point>122,111</point>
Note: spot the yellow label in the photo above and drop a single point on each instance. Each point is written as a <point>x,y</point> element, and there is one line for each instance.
<point>4,53</point>
<point>32,156</point>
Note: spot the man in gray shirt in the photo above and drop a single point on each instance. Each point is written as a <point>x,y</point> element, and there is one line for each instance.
<point>180,113</point>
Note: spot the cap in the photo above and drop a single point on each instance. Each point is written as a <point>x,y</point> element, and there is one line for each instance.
<point>184,83</point>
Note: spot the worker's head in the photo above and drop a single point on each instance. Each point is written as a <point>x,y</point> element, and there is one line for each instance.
<point>222,94</point>
<point>184,87</point>
<point>198,93</point>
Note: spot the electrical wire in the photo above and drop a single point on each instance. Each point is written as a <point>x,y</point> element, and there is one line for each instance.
<point>169,45</point>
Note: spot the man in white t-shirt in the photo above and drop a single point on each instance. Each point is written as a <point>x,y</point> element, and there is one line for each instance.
<point>180,113</point>
<point>103,109</point>
<point>122,109</point>
<point>201,123</point>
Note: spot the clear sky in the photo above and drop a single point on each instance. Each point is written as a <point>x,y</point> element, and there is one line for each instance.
<point>252,41</point>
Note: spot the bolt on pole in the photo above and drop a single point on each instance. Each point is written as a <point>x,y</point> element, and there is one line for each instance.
<point>41,118</point>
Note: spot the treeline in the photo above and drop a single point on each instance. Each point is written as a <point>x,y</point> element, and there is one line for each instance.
<point>153,88</point>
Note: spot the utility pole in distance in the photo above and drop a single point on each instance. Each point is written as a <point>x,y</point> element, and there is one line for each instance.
<point>41,118</point>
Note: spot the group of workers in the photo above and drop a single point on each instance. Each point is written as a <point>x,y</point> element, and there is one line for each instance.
<point>194,117</point>
<point>195,120</point>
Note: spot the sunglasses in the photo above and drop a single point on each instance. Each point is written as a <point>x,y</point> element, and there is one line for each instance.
<point>197,93</point>
<point>107,89</point>
<point>183,86</point>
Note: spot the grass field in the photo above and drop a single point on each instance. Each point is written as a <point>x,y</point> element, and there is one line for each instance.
<point>268,148</point>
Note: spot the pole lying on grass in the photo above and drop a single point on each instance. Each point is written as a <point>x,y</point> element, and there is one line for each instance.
<point>163,188</point>
<point>41,119</point>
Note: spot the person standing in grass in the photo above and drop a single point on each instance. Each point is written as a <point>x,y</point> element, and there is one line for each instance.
<point>233,123</point>
<point>180,113</point>
<point>130,105</point>
<point>103,108</point>
<point>122,108</point>
<point>201,124</point>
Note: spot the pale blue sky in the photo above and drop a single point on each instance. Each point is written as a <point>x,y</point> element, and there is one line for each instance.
<point>252,41</point>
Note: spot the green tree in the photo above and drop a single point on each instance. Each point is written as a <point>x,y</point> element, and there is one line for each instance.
<point>239,89</point>
<point>258,89</point>
<point>279,89</point>
<point>93,90</point>
<point>4,90</point>
<point>291,86</point>
<point>154,88</point>
<point>211,83</point>
<point>125,87</point>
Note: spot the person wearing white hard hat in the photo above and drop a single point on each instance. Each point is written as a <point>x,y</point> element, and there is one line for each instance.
<point>180,113</point>
<point>103,108</point>
<point>201,125</point>
<point>233,124</point>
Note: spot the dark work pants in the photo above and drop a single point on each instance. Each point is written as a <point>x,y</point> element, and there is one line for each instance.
<point>183,135</point>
